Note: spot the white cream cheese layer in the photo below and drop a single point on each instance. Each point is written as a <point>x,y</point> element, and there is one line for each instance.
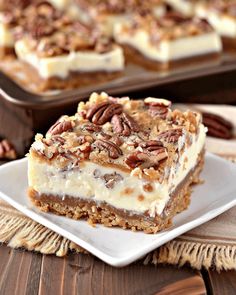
<point>128,192</point>
<point>6,37</point>
<point>168,50</point>
<point>223,24</point>
<point>81,61</point>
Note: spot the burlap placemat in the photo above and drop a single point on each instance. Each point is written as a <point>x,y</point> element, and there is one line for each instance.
<point>212,244</point>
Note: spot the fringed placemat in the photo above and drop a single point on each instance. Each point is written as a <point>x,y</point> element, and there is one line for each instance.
<point>212,244</point>
<point>209,245</point>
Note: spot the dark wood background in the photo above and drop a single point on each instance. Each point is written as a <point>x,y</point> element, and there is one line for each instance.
<point>28,273</point>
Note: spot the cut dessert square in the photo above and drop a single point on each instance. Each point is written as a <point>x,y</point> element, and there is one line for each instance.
<point>159,42</point>
<point>63,52</point>
<point>221,15</point>
<point>119,162</point>
<point>10,13</point>
<point>109,12</point>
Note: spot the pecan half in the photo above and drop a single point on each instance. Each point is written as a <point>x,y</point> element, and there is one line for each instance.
<point>7,150</point>
<point>91,128</point>
<point>151,145</point>
<point>101,113</point>
<point>217,126</point>
<point>124,124</point>
<point>170,136</point>
<point>60,127</point>
<point>113,150</point>
<point>158,106</point>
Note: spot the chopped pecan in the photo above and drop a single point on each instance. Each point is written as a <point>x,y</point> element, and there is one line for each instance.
<point>146,159</point>
<point>124,124</point>
<point>101,113</point>
<point>170,136</point>
<point>113,150</point>
<point>60,127</point>
<point>7,150</point>
<point>110,179</point>
<point>217,126</point>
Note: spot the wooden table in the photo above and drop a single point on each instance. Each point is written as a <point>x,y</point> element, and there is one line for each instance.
<point>23,272</point>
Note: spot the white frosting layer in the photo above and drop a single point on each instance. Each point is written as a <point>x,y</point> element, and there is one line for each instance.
<point>182,6</point>
<point>223,24</point>
<point>81,183</point>
<point>168,50</point>
<point>6,38</point>
<point>81,61</point>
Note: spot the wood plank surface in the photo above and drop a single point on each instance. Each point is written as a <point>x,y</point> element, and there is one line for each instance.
<point>26,273</point>
<point>223,283</point>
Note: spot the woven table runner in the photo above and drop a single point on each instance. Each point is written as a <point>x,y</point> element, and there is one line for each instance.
<point>212,244</point>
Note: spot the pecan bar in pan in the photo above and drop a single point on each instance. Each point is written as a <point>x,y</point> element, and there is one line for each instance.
<point>170,39</point>
<point>221,15</point>
<point>119,162</point>
<point>59,52</point>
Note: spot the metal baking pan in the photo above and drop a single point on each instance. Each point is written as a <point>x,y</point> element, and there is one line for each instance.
<point>135,78</point>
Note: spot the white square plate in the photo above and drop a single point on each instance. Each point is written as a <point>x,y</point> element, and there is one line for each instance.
<point>119,247</point>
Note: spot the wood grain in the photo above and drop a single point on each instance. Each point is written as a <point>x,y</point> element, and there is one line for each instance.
<point>85,274</point>
<point>223,283</point>
<point>28,273</point>
<point>19,272</point>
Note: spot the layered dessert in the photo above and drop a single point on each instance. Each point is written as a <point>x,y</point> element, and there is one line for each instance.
<point>156,43</point>
<point>221,14</point>
<point>119,162</point>
<point>59,52</point>
<point>185,7</point>
<point>109,12</point>
<point>10,14</point>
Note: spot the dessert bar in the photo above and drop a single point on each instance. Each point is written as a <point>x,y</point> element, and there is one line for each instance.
<point>64,53</point>
<point>10,14</point>
<point>107,13</point>
<point>119,162</point>
<point>158,42</point>
<point>221,15</point>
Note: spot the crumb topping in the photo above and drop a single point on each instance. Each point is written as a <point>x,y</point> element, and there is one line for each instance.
<point>117,6</point>
<point>168,27</point>
<point>136,136</point>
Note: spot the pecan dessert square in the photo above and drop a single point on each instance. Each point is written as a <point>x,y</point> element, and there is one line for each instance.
<point>168,39</point>
<point>107,13</point>
<point>59,52</point>
<point>221,15</point>
<point>10,16</point>
<point>119,162</point>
